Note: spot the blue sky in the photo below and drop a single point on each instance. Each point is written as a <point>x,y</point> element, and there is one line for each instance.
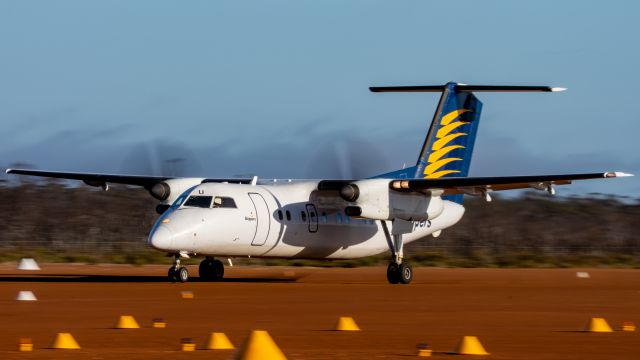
<point>279,88</point>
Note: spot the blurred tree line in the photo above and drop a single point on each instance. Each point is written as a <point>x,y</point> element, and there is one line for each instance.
<point>52,221</point>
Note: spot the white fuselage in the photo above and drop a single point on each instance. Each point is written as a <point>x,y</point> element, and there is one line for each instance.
<point>284,220</point>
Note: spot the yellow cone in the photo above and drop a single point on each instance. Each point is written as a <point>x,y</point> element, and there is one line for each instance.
<point>65,341</point>
<point>127,322</point>
<point>218,341</point>
<point>470,345</point>
<point>346,323</point>
<point>598,325</point>
<point>259,346</point>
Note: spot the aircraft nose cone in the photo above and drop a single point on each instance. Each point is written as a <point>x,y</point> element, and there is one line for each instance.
<point>161,238</point>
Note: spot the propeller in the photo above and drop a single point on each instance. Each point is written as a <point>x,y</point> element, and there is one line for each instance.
<point>160,158</point>
<point>348,158</point>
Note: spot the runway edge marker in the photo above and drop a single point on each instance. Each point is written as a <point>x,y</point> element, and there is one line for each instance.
<point>28,264</point>
<point>26,295</point>
<point>25,344</point>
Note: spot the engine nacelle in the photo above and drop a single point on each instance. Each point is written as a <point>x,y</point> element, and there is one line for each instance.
<point>373,199</point>
<point>168,191</point>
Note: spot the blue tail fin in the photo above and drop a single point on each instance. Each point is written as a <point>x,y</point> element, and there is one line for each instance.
<point>449,143</point>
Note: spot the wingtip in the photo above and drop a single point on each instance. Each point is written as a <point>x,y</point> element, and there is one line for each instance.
<point>617,174</point>
<point>558,89</point>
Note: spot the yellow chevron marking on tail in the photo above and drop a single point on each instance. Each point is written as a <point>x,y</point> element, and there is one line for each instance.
<point>449,128</point>
<point>436,155</point>
<point>452,116</point>
<point>440,174</point>
<point>438,164</point>
<point>440,149</point>
<point>439,144</point>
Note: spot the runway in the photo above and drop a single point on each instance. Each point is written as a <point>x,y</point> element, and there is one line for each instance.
<point>516,313</point>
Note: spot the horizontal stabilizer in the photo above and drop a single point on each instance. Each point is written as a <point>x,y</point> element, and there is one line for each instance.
<point>466,88</point>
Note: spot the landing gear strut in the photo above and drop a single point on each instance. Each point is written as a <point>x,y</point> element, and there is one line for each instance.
<point>211,269</point>
<point>177,272</point>
<point>398,272</point>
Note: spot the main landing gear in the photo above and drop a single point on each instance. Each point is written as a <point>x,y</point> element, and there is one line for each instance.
<point>398,272</point>
<point>209,270</point>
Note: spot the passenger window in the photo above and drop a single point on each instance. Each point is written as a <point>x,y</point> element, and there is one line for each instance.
<point>339,218</point>
<point>224,202</point>
<point>324,217</point>
<point>347,219</point>
<point>279,214</point>
<point>199,201</point>
<point>303,215</point>
<point>288,215</point>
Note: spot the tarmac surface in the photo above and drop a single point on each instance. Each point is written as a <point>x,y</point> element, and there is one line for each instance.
<point>516,313</point>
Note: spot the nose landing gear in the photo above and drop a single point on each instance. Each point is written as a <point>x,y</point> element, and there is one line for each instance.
<point>211,269</point>
<point>177,272</point>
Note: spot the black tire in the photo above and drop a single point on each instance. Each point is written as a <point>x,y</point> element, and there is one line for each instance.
<point>405,273</point>
<point>173,274</point>
<point>206,270</point>
<point>218,270</point>
<point>392,273</point>
<point>183,274</point>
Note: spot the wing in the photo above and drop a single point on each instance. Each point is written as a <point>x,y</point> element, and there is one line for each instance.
<point>481,185</point>
<point>97,179</point>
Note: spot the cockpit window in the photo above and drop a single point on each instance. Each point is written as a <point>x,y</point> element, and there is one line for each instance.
<point>224,202</point>
<point>199,201</point>
<point>176,204</point>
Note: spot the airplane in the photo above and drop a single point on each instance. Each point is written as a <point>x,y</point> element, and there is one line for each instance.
<point>330,218</point>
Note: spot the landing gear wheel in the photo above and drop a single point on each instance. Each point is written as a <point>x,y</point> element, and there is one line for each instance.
<point>183,274</point>
<point>392,273</point>
<point>405,273</point>
<point>206,270</point>
<point>173,274</point>
<point>218,270</point>
<point>211,270</point>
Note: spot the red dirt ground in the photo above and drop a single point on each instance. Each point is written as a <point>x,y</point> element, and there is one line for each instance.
<point>517,314</point>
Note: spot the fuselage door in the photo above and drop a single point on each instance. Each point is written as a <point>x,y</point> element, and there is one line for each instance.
<point>313,218</point>
<point>262,221</point>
